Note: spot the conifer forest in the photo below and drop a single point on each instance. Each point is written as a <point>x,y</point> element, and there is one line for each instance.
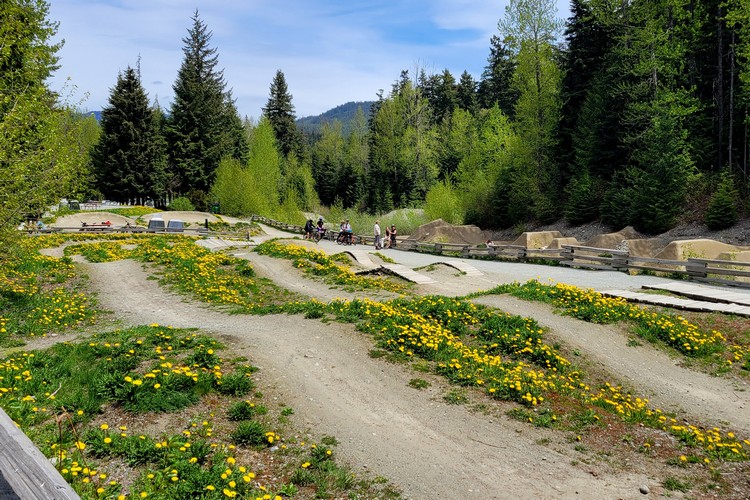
<point>629,112</point>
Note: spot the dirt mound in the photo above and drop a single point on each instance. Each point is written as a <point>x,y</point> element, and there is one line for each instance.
<point>645,247</point>
<point>700,248</point>
<point>439,231</point>
<point>614,240</point>
<point>76,220</point>
<point>537,239</point>
<point>557,243</point>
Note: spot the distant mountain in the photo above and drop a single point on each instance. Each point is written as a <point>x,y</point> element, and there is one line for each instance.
<point>97,115</point>
<point>344,113</point>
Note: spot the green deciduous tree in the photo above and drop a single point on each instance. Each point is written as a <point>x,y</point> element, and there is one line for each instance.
<point>530,28</point>
<point>40,157</point>
<point>129,161</point>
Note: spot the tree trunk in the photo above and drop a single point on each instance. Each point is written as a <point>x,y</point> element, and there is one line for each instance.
<point>731,103</point>
<point>720,89</point>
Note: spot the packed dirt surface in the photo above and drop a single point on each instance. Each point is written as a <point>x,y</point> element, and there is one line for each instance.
<point>422,444</point>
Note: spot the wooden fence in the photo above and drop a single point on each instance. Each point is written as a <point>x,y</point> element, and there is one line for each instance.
<point>722,272</point>
<point>24,471</point>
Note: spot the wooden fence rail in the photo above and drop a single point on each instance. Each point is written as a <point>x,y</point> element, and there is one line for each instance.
<point>24,471</point>
<point>579,256</point>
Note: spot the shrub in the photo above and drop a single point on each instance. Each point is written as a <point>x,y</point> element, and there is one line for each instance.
<point>182,204</point>
<point>442,202</point>
<point>722,208</point>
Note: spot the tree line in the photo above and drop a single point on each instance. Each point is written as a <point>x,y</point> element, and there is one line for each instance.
<point>632,112</point>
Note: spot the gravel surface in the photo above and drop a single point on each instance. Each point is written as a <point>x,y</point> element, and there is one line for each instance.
<point>427,447</point>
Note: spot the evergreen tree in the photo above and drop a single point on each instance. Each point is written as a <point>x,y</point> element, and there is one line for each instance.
<point>328,159</point>
<point>582,204</point>
<point>590,34</point>
<point>466,93</point>
<point>495,86</point>
<point>446,96</point>
<point>129,160</point>
<point>656,124</point>
<point>280,113</point>
<point>203,126</point>
<point>722,208</point>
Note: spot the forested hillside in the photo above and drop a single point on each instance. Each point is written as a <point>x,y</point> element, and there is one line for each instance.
<point>344,113</point>
<point>632,113</point>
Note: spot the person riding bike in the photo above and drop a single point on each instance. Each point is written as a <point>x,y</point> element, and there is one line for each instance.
<point>346,234</point>
<point>309,228</point>
<point>320,230</point>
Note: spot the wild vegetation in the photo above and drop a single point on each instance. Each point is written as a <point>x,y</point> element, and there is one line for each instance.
<point>503,356</point>
<point>629,113</point>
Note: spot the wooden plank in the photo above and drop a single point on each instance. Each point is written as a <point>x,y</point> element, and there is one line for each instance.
<point>591,258</point>
<point>656,269</point>
<point>597,250</point>
<point>26,469</point>
<point>584,265</point>
<point>719,261</point>
<point>662,262</point>
<point>728,272</point>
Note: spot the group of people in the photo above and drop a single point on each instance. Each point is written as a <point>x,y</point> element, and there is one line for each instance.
<point>390,236</point>
<point>316,232</point>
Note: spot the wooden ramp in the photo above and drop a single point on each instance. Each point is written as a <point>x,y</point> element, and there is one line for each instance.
<point>216,244</point>
<point>362,257</point>
<point>678,303</point>
<point>408,274</point>
<point>704,293</point>
<point>464,267</point>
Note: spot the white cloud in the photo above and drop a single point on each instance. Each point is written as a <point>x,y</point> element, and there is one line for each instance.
<point>331,52</point>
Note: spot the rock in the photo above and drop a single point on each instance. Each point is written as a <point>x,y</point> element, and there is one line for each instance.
<point>644,489</point>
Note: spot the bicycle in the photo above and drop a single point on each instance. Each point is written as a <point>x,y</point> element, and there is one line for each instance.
<point>319,234</point>
<point>345,238</point>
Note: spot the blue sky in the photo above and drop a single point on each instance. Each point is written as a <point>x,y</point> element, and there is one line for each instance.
<point>331,51</point>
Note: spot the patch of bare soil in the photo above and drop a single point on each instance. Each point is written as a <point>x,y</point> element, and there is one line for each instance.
<point>426,446</point>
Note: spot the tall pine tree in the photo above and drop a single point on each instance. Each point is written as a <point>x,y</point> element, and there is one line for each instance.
<point>495,86</point>
<point>203,125</point>
<point>129,161</point>
<point>280,113</point>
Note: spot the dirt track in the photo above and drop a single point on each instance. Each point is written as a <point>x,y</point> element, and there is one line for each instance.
<point>422,444</point>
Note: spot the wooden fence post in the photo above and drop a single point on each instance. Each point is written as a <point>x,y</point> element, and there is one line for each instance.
<point>25,469</point>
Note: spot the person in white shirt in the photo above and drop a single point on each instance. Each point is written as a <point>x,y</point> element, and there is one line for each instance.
<point>377,235</point>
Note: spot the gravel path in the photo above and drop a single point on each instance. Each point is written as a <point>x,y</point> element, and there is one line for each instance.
<point>426,446</point>
<point>415,439</point>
